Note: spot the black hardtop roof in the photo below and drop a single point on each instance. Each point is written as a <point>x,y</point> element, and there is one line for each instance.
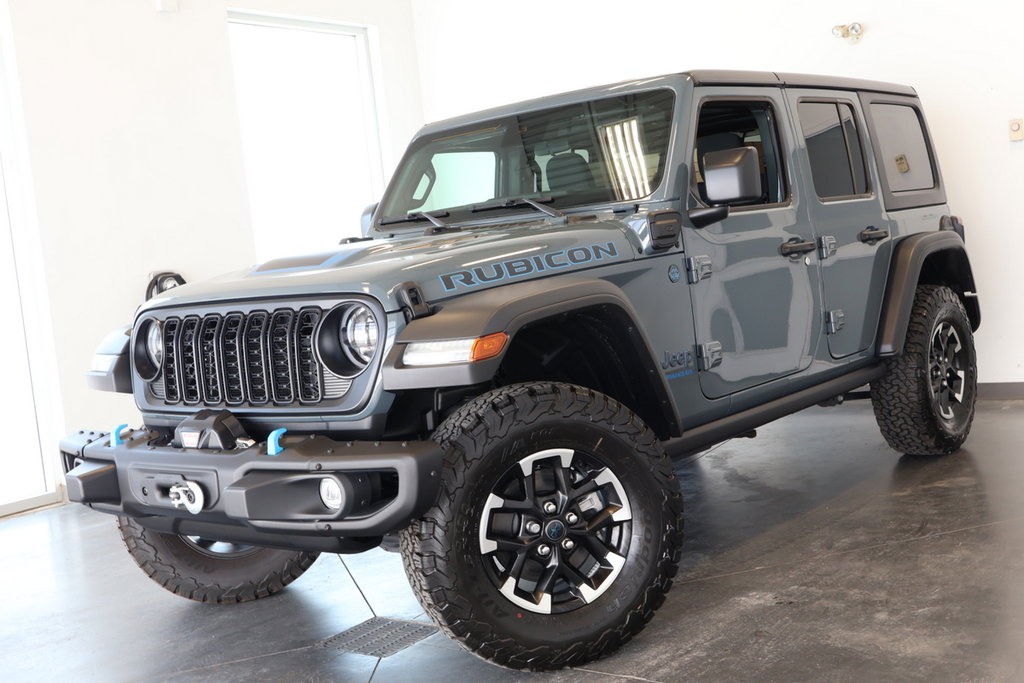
<point>784,80</point>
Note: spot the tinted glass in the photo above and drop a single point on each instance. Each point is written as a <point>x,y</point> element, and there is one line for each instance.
<point>727,125</point>
<point>856,151</point>
<point>604,150</point>
<point>904,152</point>
<point>833,149</point>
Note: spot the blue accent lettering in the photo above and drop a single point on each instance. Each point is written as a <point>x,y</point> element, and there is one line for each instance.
<point>519,267</point>
<point>607,250</point>
<point>579,255</point>
<point>499,273</point>
<point>677,375</point>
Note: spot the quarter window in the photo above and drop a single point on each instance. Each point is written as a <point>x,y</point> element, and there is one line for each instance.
<point>904,152</point>
<point>833,149</point>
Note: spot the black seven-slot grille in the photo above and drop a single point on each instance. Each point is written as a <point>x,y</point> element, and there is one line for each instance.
<point>253,358</point>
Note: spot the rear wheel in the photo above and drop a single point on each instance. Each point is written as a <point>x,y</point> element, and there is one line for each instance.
<point>206,570</point>
<point>557,530</point>
<point>924,404</point>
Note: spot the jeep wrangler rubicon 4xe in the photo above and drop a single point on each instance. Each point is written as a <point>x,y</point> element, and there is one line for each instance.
<point>551,301</point>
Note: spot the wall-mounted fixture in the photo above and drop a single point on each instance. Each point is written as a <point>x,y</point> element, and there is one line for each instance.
<point>850,32</point>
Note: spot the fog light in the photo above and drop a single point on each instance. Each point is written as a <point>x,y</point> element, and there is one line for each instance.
<point>330,493</point>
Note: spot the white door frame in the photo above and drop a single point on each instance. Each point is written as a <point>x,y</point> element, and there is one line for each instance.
<point>33,291</point>
<point>371,92</point>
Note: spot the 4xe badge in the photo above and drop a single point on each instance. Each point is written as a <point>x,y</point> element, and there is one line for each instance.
<point>680,363</point>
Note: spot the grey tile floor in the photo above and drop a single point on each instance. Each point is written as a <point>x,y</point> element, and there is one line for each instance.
<point>813,553</point>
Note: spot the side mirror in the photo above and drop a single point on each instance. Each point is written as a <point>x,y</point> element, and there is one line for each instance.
<point>732,176</point>
<point>367,218</point>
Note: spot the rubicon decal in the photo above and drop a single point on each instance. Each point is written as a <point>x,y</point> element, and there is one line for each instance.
<point>518,267</point>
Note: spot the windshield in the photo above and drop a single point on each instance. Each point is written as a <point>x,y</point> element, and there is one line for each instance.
<point>605,150</point>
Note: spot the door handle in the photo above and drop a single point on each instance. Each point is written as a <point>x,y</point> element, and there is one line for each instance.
<point>871,235</point>
<point>795,247</point>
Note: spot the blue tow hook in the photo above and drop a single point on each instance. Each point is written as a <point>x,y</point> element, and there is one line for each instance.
<point>274,441</point>
<point>115,436</point>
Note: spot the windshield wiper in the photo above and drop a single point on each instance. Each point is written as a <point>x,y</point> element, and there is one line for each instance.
<point>539,203</point>
<point>434,218</point>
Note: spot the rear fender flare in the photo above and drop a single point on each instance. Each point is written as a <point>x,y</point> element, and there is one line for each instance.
<point>938,256</point>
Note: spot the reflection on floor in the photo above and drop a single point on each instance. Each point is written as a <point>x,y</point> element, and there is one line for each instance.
<point>813,553</point>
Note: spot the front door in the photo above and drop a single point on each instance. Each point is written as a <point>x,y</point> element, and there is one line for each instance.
<point>752,304</point>
<point>847,216</point>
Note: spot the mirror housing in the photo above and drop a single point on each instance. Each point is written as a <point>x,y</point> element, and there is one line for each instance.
<point>367,218</point>
<point>732,176</point>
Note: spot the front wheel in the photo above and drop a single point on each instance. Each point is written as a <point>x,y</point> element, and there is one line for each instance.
<point>557,529</point>
<point>924,404</point>
<point>211,571</point>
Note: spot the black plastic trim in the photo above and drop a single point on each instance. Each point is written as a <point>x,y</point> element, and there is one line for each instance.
<point>119,377</point>
<point>706,435</point>
<point>905,268</point>
<point>110,479</point>
<point>789,80</point>
<point>508,309</point>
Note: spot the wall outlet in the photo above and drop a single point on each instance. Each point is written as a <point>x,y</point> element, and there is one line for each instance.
<point>1016,130</point>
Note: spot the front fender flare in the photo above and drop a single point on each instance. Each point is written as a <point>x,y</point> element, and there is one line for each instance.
<point>505,309</point>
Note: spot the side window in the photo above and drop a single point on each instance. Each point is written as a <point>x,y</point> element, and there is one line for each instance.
<point>726,125</point>
<point>901,143</point>
<point>833,149</point>
<point>462,178</point>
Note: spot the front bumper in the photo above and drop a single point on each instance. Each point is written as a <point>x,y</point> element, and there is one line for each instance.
<point>249,496</point>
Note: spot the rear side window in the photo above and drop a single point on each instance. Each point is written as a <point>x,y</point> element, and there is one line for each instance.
<point>901,143</point>
<point>833,149</point>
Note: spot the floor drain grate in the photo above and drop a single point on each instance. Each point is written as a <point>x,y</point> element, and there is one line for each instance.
<point>380,637</point>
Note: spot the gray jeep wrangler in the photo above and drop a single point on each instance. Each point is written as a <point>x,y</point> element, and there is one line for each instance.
<point>552,300</point>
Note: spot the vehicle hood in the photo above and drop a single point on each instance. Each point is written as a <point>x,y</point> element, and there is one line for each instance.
<point>443,265</point>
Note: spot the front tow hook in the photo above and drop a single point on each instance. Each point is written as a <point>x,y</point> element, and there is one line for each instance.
<point>187,494</point>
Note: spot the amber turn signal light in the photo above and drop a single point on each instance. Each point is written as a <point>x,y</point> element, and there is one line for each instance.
<point>488,347</point>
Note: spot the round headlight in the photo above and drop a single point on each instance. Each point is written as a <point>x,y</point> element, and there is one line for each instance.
<point>359,333</point>
<point>148,356</point>
<point>155,343</point>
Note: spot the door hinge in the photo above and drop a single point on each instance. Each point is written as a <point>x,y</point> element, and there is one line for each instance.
<point>834,321</point>
<point>826,246</point>
<point>709,355</point>
<point>697,268</point>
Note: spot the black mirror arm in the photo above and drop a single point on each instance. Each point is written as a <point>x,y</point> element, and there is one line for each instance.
<point>707,215</point>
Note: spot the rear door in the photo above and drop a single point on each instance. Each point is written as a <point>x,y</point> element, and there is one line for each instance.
<point>756,311</point>
<point>846,211</point>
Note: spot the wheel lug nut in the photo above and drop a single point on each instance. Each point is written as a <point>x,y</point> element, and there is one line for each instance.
<point>550,507</point>
<point>533,527</point>
<point>571,518</point>
<point>543,550</point>
<point>568,544</point>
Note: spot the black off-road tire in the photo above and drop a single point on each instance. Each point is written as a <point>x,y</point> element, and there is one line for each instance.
<point>184,568</point>
<point>488,440</point>
<point>907,405</point>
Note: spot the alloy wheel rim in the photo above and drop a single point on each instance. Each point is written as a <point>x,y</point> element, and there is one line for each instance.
<point>946,369</point>
<point>555,531</point>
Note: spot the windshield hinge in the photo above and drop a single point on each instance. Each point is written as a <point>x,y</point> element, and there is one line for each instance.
<point>410,298</point>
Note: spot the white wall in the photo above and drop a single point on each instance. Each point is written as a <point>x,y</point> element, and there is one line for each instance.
<point>962,59</point>
<point>133,139</point>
